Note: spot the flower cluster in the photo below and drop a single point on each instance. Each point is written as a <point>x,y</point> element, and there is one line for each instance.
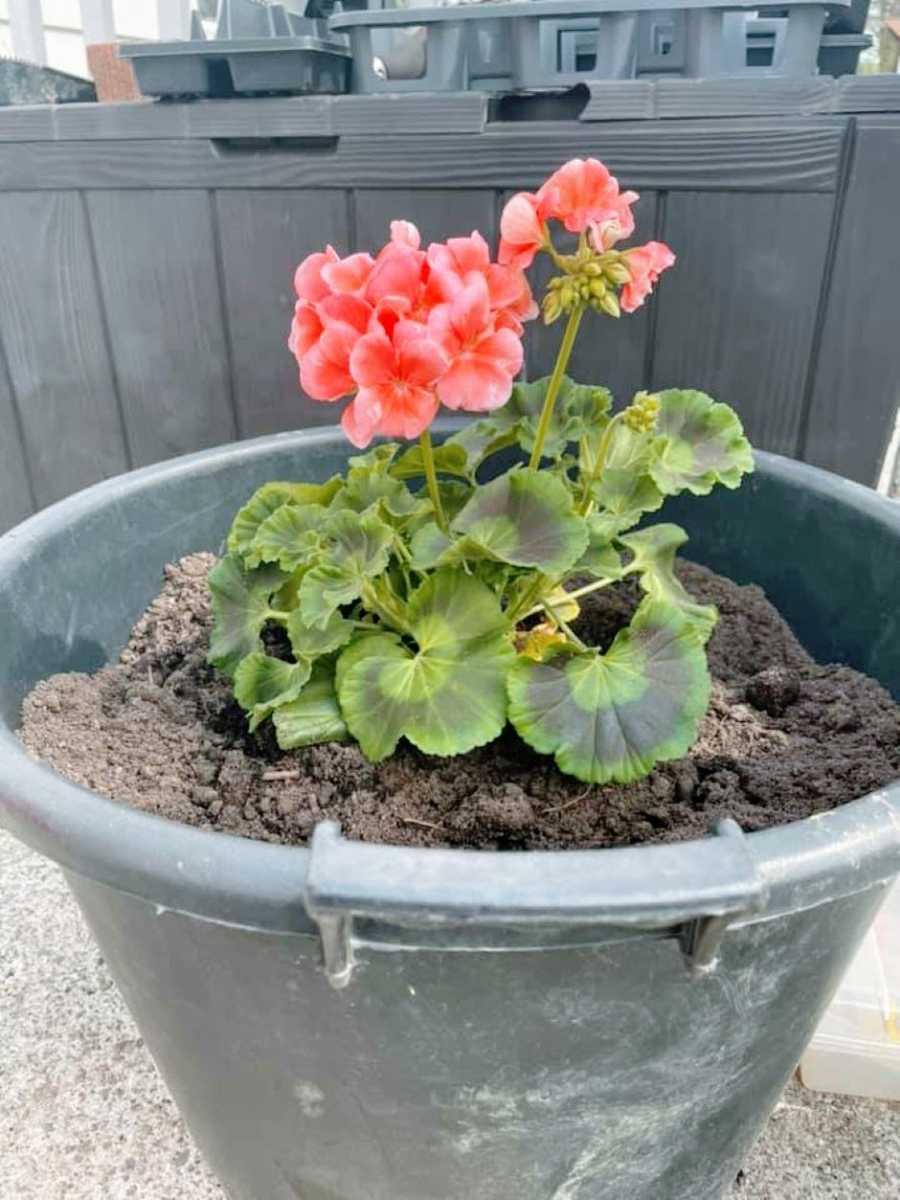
<point>409,330</point>
<point>585,197</point>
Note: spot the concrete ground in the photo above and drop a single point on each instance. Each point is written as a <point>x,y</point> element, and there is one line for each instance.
<point>84,1116</point>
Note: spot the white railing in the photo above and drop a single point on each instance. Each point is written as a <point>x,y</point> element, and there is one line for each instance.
<point>93,20</point>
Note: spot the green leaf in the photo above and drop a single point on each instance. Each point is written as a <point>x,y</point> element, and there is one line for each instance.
<point>446,697</point>
<point>357,549</point>
<point>311,641</point>
<point>698,444</point>
<point>600,559</point>
<point>624,496</point>
<point>480,439</point>
<point>374,461</point>
<point>262,683</point>
<point>579,410</point>
<point>449,459</point>
<point>314,716</point>
<point>525,518</point>
<point>610,717</point>
<point>290,536</point>
<point>240,604</point>
<point>654,551</point>
<point>428,545</point>
<point>267,499</point>
<point>387,496</point>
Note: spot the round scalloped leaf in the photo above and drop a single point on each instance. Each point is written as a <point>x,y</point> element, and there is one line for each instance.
<point>357,549</point>
<point>449,459</point>
<point>376,460</point>
<point>610,717</point>
<point>263,683</point>
<point>600,559</point>
<point>240,604</point>
<point>447,697</point>
<point>367,489</point>
<point>623,497</point>
<point>314,716</point>
<point>480,439</point>
<point>654,551</point>
<point>270,497</point>
<point>698,444</point>
<point>579,409</point>
<point>525,518</point>
<point>311,641</point>
<point>290,536</point>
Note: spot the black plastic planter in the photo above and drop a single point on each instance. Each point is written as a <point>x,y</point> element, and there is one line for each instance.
<point>532,1026</point>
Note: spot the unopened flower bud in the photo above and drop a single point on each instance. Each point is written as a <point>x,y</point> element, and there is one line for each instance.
<point>618,273</point>
<point>598,288</point>
<point>593,269</point>
<point>609,303</point>
<point>552,307</point>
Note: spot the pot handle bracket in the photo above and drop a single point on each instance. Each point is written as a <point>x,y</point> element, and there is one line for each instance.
<point>394,897</point>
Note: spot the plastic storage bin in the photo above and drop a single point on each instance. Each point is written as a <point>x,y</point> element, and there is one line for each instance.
<point>522,46</point>
<point>258,48</point>
<point>856,1049</point>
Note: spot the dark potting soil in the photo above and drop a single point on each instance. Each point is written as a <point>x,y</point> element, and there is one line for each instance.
<point>783,738</point>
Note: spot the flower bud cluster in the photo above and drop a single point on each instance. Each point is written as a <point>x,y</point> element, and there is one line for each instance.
<point>641,414</point>
<point>590,280</point>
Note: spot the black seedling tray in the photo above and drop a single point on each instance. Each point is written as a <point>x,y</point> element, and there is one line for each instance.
<point>240,67</point>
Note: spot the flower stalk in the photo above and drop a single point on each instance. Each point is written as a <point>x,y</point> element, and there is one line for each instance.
<point>559,369</point>
<point>431,480</point>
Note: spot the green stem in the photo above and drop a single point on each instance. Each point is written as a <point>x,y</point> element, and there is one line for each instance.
<point>559,369</point>
<point>431,480</point>
<point>275,614</point>
<point>576,595</point>
<point>587,504</point>
<point>572,636</point>
<point>383,606</point>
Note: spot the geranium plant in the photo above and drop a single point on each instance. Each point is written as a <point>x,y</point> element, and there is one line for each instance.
<point>429,594</point>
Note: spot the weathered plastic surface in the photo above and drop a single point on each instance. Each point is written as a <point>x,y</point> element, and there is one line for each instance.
<point>258,48</point>
<point>299,65</point>
<point>523,46</point>
<point>516,1026</point>
<point>750,46</point>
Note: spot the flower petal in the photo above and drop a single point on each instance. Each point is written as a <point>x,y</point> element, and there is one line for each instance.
<point>404,233</point>
<point>347,309</point>
<point>308,282</point>
<point>396,275</point>
<point>348,274</point>
<point>504,348</point>
<point>408,413</point>
<point>422,361</point>
<point>373,360</point>
<point>306,329</point>
<point>470,310</point>
<point>360,418</point>
<point>474,384</point>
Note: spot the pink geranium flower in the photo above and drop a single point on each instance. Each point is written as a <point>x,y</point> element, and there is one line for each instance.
<point>616,224</point>
<point>460,261</point>
<point>522,230</point>
<point>580,193</point>
<point>308,282</point>
<point>484,359</point>
<point>396,377</point>
<point>645,265</point>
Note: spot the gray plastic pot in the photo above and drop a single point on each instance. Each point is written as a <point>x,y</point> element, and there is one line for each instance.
<point>583,1025</point>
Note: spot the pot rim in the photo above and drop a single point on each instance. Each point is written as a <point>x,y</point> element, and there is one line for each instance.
<point>238,881</point>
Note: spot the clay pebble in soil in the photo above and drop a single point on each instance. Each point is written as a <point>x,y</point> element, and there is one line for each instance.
<point>783,738</point>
